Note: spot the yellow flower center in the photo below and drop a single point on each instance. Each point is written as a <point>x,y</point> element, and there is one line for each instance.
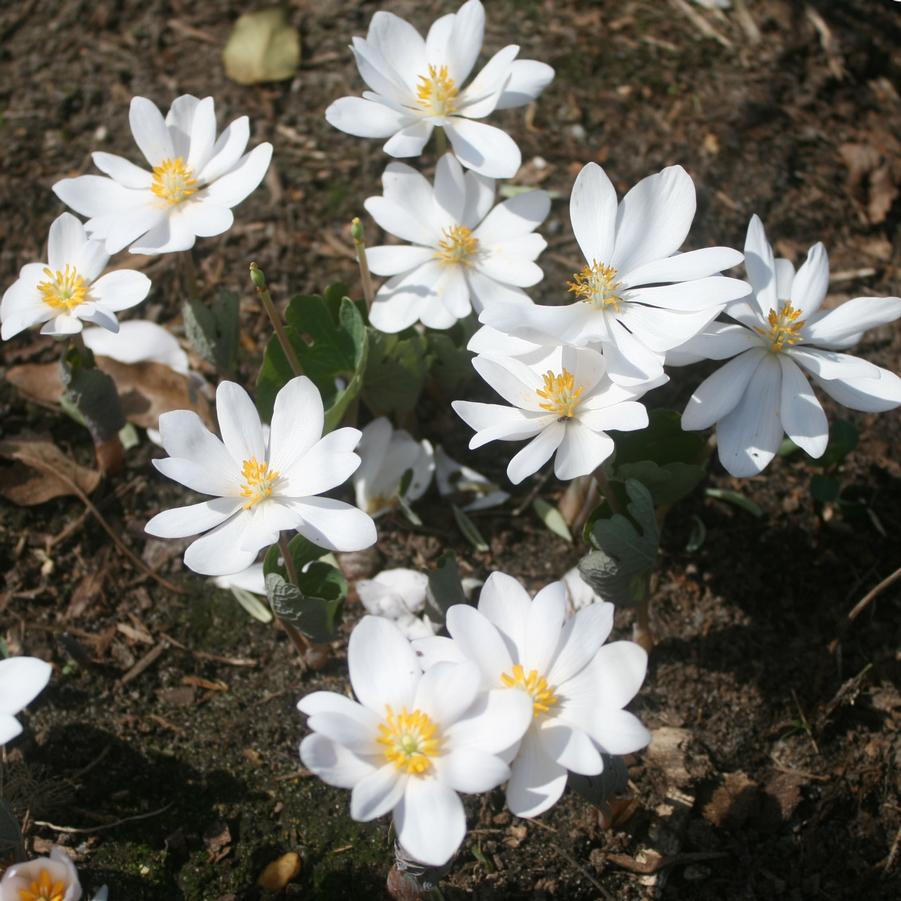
<point>173,181</point>
<point>458,246</point>
<point>63,290</point>
<point>785,328</point>
<point>259,480</point>
<point>437,92</point>
<point>410,740</point>
<point>596,284</point>
<point>543,697</point>
<point>44,889</point>
<point>560,395</point>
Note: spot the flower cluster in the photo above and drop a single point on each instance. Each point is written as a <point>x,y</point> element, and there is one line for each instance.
<point>523,692</point>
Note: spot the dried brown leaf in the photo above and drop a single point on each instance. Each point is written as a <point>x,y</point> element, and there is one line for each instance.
<point>31,479</point>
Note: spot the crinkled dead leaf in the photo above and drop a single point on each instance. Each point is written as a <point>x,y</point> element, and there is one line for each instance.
<point>41,472</point>
<point>263,46</point>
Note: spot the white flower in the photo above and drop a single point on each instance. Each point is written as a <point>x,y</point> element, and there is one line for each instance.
<point>463,254</point>
<point>564,402</point>
<point>411,741</point>
<point>260,487</point>
<point>138,341</point>
<point>455,479</point>
<point>250,579</point>
<point>781,337</point>
<point>53,878</point>
<point>636,297</point>
<point>579,593</point>
<point>386,455</point>
<point>577,684</point>
<point>195,179</point>
<point>22,679</point>
<point>399,595</point>
<point>69,289</point>
<point>417,86</point>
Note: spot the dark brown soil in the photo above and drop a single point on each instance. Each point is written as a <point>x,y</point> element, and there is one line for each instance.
<point>775,769</point>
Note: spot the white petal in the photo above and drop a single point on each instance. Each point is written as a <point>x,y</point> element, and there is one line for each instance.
<point>717,342</point>
<point>65,242</point>
<point>870,395</point>
<point>353,727</point>
<point>383,667</point>
<point>221,551</point>
<point>749,436</point>
<point>495,422</point>
<point>146,223</point>
<point>121,170</point>
<point>483,148</point>
<point>698,294</point>
<point>481,95</point>
<point>179,121</point>
<point>450,188</point>
<point>582,638</point>
<point>332,763</point>
<point>852,317</point>
<point>479,198</point>
<point>227,150</point>
<point>398,218</point>
<point>149,130</point>
<point>199,476</point>
<point>206,218</point>
<point>505,603</point>
<point>365,118</point>
<point>544,627</point>
<point>629,416</point>
<point>183,434</point>
<point>592,210</point>
<point>203,135</point>
<point>760,266</point>
<point>243,178</point>
<point>435,649</point>
<point>528,79</point>
<point>396,259</point>
<point>682,267</point>
<point>334,525</point>
<point>470,771</point>
<point>239,423</point>
<point>465,40</point>
<point>480,642</point>
<point>121,289</point>
<point>811,281</point>
<point>95,195</point>
<point>409,141</point>
<point>180,522</point>
<point>10,727</point>
<point>512,379</point>
<point>629,360</point>
<point>400,44</point>
<point>171,234</point>
<point>802,416</point>
<point>64,324</point>
<point>610,680</point>
<point>719,394</point>
<point>536,453</point>
<point>570,747</point>
<point>581,451</point>
<point>829,364</point>
<point>536,780</point>
<point>619,732</point>
<point>297,423</point>
<point>446,691</point>
<point>496,722</point>
<point>430,821</point>
<point>654,218</point>
<point>377,794</point>
<point>22,679</point>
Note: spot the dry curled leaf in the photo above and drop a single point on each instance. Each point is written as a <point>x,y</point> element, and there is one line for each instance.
<point>263,46</point>
<point>41,472</point>
<point>874,174</point>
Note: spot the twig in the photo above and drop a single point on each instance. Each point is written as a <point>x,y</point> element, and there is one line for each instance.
<point>259,280</point>
<point>700,23</point>
<point>574,863</point>
<point>532,494</point>
<point>84,830</point>
<point>356,232</point>
<point>144,663</point>
<point>136,561</point>
<point>873,593</point>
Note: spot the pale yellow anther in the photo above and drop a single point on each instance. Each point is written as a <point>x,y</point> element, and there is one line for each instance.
<point>410,740</point>
<point>785,328</point>
<point>543,697</point>
<point>458,246</point>
<point>560,394</point>
<point>44,888</point>
<point>259,480</point>
<point>596,284</point>
<point>437,92</point>
<point>173,181</point>
<point>64,290</point>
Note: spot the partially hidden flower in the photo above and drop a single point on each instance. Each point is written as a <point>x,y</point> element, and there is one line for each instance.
<point>417,85</point>
<point>399,595</point>
<point>579,593</point>
<point>576,684</point>
<point>52,878</point>
<point>564,402</point>
<point>387,455</point>
<point>464,253</point>
<point>194,179</point>
<point>411,741</point>
<point>139,341</point>
<point>260,486</point>
<point>475,491</point>
<point>778,340</point>
<point>22,679</point>
<point>636,297</point>
<point>250,579</point>
<point>69,289</point>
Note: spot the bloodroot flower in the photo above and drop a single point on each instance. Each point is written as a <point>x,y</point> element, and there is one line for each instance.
<point>563,401</point>
<point>780,339</point>
<point>52,878</point>
<point>22,679</point>
<point>69,289</point>
<point>417,85</point>
<point>463,254</point>
<point>577,685</point>
<point>636,296</point>
<point>411,741</point>
<point>260,487</point>
<point>194,180</point>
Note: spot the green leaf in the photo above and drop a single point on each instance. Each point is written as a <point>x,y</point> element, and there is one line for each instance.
<point>263,46</point>
<point>667,483</point>
<point>451,363</point>
<point>843,438</point>
<point>736,499</point>
<point>303,551</point>
<point>662,442</point>
<point>825,489</point>
<point>93,394</point>
<point>213,330</point>
<point>552,518</point>
<point>626,555</point>
<point>469,530</point>
<point>445,588</point>
<point>317,618</point>
<point>330,339</point>
<point>395,371</point>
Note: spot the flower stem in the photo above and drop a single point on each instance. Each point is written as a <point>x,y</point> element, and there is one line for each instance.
<point>259,280</point>
<point>440,142</point>
<point>356,232</point>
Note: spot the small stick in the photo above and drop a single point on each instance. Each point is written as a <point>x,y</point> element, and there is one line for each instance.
<point>862,604</point>
<point>259,280</point>
<point>356,232</point>
<point>74,830</point>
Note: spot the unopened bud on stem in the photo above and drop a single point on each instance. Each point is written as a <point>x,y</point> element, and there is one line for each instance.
<point>257,276</point>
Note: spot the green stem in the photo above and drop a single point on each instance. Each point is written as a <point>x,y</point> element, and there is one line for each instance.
<point>259,280</point>
<point>440,142</point>
<point>356,231</point>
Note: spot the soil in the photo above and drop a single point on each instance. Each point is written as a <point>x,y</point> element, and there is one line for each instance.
<point>774,771</point>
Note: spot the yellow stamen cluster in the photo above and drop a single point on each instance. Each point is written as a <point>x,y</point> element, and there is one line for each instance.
<point>785,328</point>
<point>259,480</point>
<point>437,92</point>
<point>458,246</point>
<point>173,181</point>
<point>410,740</point>
<point>560,394</point>
<point>543,697</point>
<point>63,290</point>
<point>596,284</point>
<point>44,889</point>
